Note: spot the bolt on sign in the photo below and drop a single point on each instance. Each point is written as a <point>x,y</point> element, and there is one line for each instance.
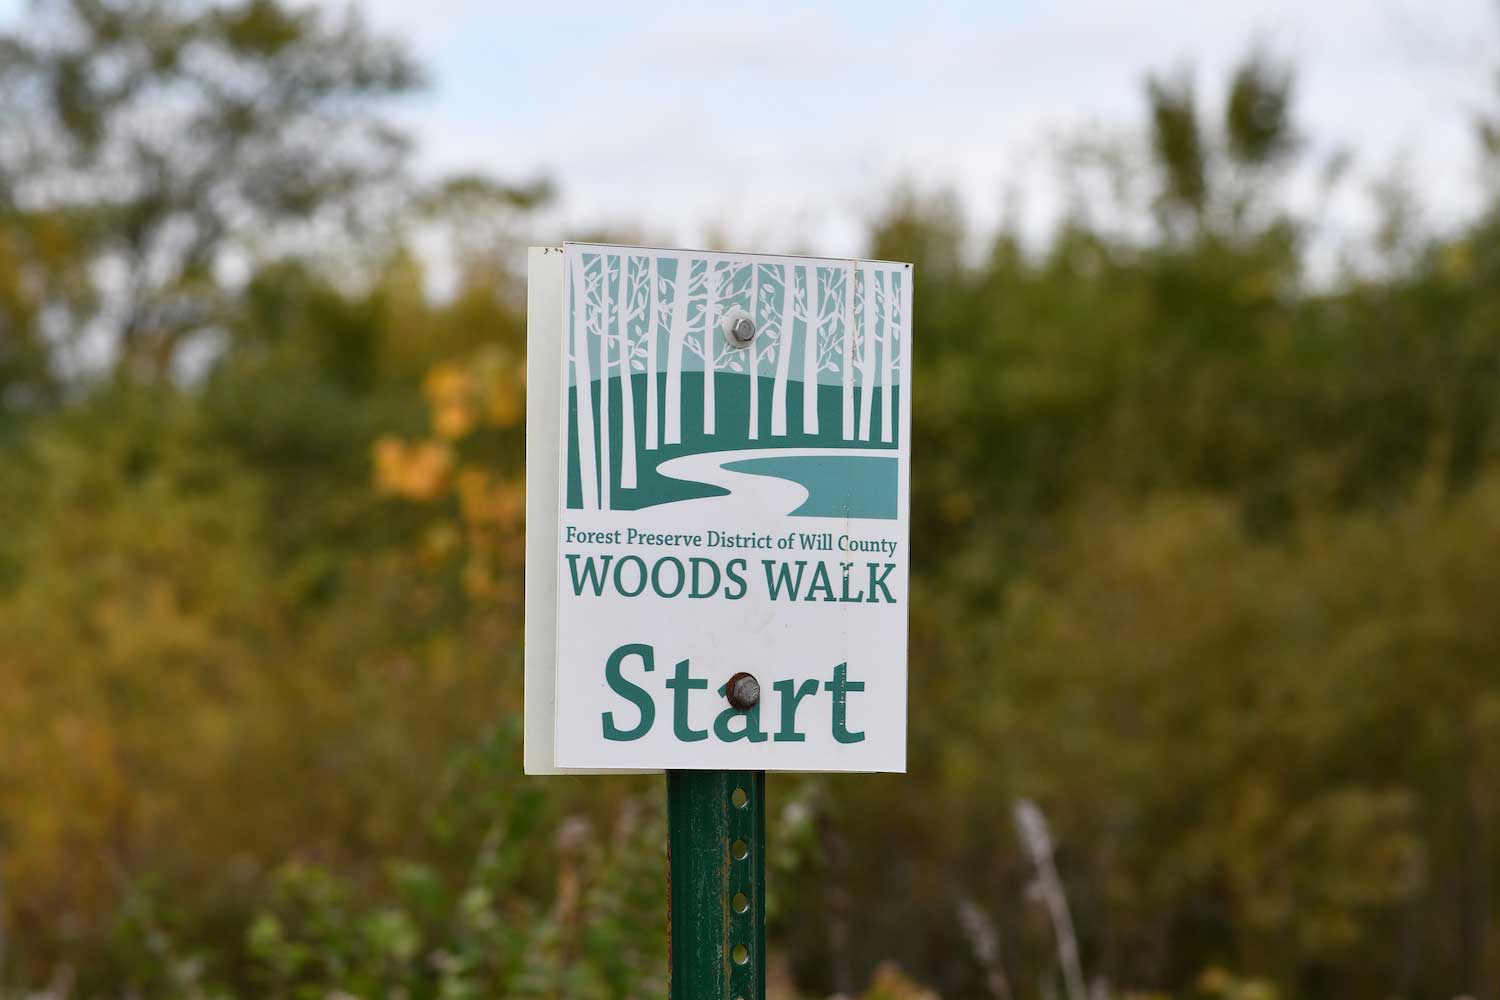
<point>718,459</point>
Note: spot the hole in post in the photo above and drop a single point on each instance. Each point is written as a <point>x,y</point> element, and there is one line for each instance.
<point>741,955</point>
<point>741,903</point>
<point>739,798</point>
<point>739,850</point>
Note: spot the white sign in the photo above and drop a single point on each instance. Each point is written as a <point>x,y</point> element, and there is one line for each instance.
<point>718,467</point>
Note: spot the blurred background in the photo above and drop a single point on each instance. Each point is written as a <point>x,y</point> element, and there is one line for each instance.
<point>1205,680</point>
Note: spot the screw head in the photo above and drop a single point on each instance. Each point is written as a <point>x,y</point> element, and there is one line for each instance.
<point>739,328</point>
<point>743,691</point>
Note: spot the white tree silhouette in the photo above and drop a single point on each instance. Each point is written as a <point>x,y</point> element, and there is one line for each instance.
<point>709,349</point>
<point>684,287</point>
<point>653,319</point>
<point>623,361</point>
<point>635,308</point>
<point>868,346</point>
<point>599,286</point>
<point>887,284</point>
<point>578,354</point>
<point>633,333</point>
<point>847,360</point>
<point>721,278</point>
<point>813,318</point>
<point>766,348</point>
<point>823,308</point>
<point>785,333</point>
<point>752,361</point>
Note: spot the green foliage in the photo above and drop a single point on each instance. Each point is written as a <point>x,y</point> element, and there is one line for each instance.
<point>318,935</point>
<point>1178,142</point>
<point>1257,115</point>
<point>163,140</point>
<point>1182,522</point>
<point>1206,556</point>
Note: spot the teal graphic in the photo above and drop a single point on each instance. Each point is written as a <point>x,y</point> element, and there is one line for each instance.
<point>853,485</point>
<point>663,407</point>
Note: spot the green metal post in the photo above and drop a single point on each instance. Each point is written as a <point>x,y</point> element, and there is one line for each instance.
<point>716,890</point>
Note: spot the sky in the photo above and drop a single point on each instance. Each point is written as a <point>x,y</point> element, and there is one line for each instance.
<point>778,126</point>
<point>788,127</point>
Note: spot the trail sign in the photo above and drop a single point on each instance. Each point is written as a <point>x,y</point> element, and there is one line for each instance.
<point>718,465</point>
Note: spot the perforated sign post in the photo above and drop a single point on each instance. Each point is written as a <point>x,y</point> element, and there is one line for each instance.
<point>718,459</point>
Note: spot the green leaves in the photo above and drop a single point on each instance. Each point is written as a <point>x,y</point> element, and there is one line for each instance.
<point>1209,181</point>
<point>1206,564</point>
<point>1257,115</point>
<point>599,937</point>
<point>173,137</point>
<point>1178,142</point>
<point>261,27</point>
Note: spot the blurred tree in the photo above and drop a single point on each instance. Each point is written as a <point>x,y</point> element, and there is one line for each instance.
<point>1218,179</point>
<point>1257,113</point>
<point>163,164</point>
<point>1206,563</point>
<point>1183,400</point>
<point>1178,144</point>
<point>161,146</point>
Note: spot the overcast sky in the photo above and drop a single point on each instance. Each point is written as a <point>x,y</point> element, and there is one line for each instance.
<point>771,124</point>
<point>782,128</point>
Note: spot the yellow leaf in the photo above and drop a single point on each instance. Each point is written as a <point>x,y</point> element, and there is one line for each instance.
<point>417,471</point>
<point>450,393</point>
<point>453,419</point>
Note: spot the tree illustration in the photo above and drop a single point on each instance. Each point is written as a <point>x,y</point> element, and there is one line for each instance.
<point>578,356</point>
<point>599,287</point>
<point>768,347</point>
<point>628,310</point>
<point>868,345</point>
<point>888,356</point>
<point>846,361</point>
<point>752,374</point>
<point>653,321</point>
<point>824,339</point>
<point>726,283</point>
<point>685,284</point>
<point>631,305</point>
<point>709,347</point>
<point>814,320</point>
<point>785,336</point>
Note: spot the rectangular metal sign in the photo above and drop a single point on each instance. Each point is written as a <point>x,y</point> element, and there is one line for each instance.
<point>718,465</point>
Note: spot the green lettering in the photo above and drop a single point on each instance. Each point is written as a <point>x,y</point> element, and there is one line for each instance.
<point>782,577</point>
<point>697,591</point>
<point>656,577</point>
<point>750,731</point>
<point>640,565</point>
<point>733,570</point>
<point>879,581</point>
<point>821,582</point>
<point>789,701</point>
<point>840,687</point>
<point>682,684</point>
<point>630,692</point>
<point>591,574</point>
<point>846,597</point>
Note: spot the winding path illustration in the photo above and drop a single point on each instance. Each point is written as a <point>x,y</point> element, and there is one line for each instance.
<point>749,492</point>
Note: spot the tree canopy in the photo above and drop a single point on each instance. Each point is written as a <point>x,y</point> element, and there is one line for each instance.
<point>1205,553</point>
